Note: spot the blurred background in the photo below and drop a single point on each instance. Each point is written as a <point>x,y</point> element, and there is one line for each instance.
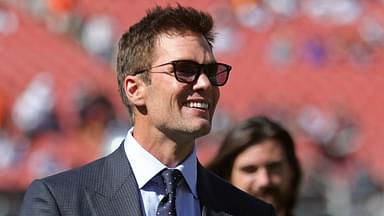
<point>316,66</point>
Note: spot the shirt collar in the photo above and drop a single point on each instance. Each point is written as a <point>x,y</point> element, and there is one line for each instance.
<point>138,156</point>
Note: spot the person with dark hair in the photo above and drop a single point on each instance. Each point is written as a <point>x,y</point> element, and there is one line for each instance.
<point>169,80</point>
<point>258,156</point>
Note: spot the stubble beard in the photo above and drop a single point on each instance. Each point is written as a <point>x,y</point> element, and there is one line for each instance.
<point>189,133</point>
<point>273,196</point>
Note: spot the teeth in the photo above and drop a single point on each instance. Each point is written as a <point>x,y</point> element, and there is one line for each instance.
<point>199,105</point>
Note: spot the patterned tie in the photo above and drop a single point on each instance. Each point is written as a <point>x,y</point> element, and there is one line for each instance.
<point>167,205</point>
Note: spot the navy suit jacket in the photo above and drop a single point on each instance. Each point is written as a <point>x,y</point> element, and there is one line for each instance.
<point>108,187</point>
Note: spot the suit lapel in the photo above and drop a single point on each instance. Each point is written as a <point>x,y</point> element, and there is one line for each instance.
<point>115,192</point>
<point>208,201</point>
<point>206,211</point>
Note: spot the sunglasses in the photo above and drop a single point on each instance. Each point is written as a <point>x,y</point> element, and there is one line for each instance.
<point>187,71</point>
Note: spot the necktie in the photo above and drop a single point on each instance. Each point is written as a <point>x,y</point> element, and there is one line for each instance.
<point>167,205</point>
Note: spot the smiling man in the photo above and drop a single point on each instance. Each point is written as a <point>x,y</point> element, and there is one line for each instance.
<point>169,80</point>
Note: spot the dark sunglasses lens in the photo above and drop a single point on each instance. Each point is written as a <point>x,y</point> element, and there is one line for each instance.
<point>217,73</point>
<point>185,71</point>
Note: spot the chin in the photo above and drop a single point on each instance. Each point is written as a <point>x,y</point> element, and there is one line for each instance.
<point>268,199</point>
<point>201,130</point>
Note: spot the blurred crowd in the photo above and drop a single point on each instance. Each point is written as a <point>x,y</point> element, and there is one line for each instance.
<point>35,143</point>
<point>345,30</point>
<point>351,30</point>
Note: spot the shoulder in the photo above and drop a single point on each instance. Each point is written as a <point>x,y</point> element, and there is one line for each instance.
<point>77,175</point>
<point>70,181</point>
<point>222,196</point>
<point>89,173</point>
<point>70,191</point>
<point>47,196</point>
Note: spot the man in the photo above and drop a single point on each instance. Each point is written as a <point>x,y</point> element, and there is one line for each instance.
<point>169,80</point>
<point>258,156</point>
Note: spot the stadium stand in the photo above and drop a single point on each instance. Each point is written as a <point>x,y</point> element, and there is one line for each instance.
<point>307,64</point>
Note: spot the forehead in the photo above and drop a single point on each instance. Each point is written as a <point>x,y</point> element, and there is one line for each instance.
<point>263,152</point>
<point>186,46</point>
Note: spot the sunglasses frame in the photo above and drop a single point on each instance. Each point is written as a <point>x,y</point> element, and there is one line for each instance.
<point>196,75</point>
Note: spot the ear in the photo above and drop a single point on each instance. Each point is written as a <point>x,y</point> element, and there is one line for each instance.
<point>134,89</point>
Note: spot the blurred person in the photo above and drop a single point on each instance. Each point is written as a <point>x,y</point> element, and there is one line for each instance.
<point>258,156</point>
<point>41,116</point>
<point>61,15</point>
<point>7,144</point>
<point>9,22</point>
<point>95,113</point>
<point>337,179</point>
<point>98,35</point>
<point>169,80</point>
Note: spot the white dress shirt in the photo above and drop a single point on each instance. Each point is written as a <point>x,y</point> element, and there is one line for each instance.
<point>146,168</point>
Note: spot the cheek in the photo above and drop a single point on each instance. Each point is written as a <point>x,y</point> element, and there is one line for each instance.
<point>287,180</point>
<point>276,179</point>
<point>216,95</point>
<point>161,98</point>
<point>241,180</point>
<point>282,180</point>
<point>215,99</point>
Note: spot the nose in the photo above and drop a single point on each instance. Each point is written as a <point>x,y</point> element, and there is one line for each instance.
<point>262,178</point>
<point>202,82</point>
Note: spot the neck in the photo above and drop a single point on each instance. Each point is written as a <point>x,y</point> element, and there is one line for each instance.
<point>168,149</point>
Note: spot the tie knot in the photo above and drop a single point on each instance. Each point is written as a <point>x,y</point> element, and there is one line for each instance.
<point>170,178</point>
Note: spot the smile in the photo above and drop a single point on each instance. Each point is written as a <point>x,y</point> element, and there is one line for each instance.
<point>198,105</point>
